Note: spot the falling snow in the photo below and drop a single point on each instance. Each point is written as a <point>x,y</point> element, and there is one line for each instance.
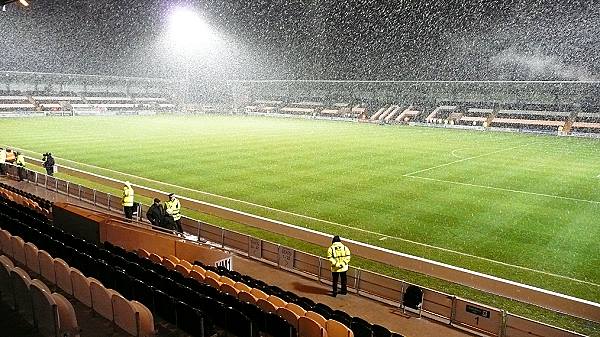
<point>333,39</point>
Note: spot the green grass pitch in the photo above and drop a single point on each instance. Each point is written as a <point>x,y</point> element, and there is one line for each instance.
<point>519,206</point>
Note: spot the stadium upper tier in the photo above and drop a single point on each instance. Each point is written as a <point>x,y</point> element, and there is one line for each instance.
<point>566,119</point>
<point>59,93</point>
<point>554,106</point>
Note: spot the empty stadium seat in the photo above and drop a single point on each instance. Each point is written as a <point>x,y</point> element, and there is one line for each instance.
<point>102,300</point>
<point>259,293</point>
<point>31,255</point>
<point>18,250</point>
<point>323,310</point>
<point>381,331</point>
<point>247,297</point>
<point>316,317</point>
<point>63,276</point>
<point>47,266</point>
<point>266,305</point>
<point>124,314</point>
<point>290,316</point>
<point>145,320</point>
<point>361,328</point>
<point>337,329</point>
<point>6,242</point>
<point>81,287</point>
<point>6,288</point>
<point>20,287</point>
<point>67,320</point>
<point>278,302</point>
<point>229,289</point>
<point>298,310</point>
<point>308,327</point>
<point>242,287</point>
<point>45,310</point>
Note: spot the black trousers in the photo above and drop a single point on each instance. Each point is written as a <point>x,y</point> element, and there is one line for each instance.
<point>50,171</point>
<point>336,276</point>
<point>178,226</point>
<point>21,172</point>
<point>128,210</point>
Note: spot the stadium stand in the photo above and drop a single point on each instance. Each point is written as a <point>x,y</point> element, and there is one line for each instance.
<point>14,101</point>
<point>47,101</point>
<point>474,116</point>
<point>586,122</point>
<point>302,108</point>
<point>531,119</point>
<point>121,284</point>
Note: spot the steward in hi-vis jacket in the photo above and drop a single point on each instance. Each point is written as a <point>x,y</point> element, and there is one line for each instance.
<point>128,200</point>
<point>339,256</point>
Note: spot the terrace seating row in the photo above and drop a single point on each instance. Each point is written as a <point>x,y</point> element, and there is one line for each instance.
<point>270,298</point>
<point>18,193</point>
<point>519,117</point>
<point>305,108</point>
<point>302,313</point>
<point>191,309</point>
<point>23,201</point>
<point>131,316</point>
<point>587,123</point>
<point>50,312</point>
<point>45,101</point>
<point>531,119</point>
<point>222,283</point>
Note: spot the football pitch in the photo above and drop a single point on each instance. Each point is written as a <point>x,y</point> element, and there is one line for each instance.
<point>519,206</point>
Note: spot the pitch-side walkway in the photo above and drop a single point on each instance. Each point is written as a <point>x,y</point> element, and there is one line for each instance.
<point>373,311</point>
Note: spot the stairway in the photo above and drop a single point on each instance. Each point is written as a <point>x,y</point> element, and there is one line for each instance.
<point>491,117</point>
<point>569,123</point>
<point>36,105</point>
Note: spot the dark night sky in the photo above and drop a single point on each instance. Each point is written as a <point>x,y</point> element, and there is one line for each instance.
<point>318,39</point>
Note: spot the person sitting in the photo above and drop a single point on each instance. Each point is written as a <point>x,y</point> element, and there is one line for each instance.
<point>156,214</point>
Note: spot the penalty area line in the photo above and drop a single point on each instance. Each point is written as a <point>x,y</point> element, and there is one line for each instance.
<point>507,190</point>
<point>464,159</point>
<point>381,235</point>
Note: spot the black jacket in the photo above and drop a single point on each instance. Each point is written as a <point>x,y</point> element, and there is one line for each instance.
<point>156,214</point>
<point>49,162</point>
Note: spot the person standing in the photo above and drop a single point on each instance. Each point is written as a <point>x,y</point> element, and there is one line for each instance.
<point>49,163</point>
<point>128,200</point>
<point>20,162</point>
<point>173,208</point>
<point>339,256</point>
<point>2,161</point>
<point>156,214</point>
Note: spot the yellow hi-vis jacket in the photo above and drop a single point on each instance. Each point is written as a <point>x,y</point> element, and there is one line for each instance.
<point>2,156</point>
<point>20,160</point>
<point>172,207</point>
<point>127,195</point>
<point>339,256</point>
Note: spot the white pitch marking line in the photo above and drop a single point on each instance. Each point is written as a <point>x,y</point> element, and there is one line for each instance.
<point>338,224</point>
<point>455,155</point>
<point>507,190</point>
<point>383,238</point>
<point>465,159</point>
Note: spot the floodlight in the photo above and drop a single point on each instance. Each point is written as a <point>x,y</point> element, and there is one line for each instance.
<point>188,32</point>
<point>24,3</point>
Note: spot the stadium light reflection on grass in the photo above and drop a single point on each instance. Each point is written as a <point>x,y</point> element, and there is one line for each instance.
<point>188,33</point>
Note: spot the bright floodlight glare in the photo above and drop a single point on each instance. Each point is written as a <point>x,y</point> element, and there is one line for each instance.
<point>188,31</point>
<point>24,3</point>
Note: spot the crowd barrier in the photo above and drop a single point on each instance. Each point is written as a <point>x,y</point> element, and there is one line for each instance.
<point>436,305</point>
